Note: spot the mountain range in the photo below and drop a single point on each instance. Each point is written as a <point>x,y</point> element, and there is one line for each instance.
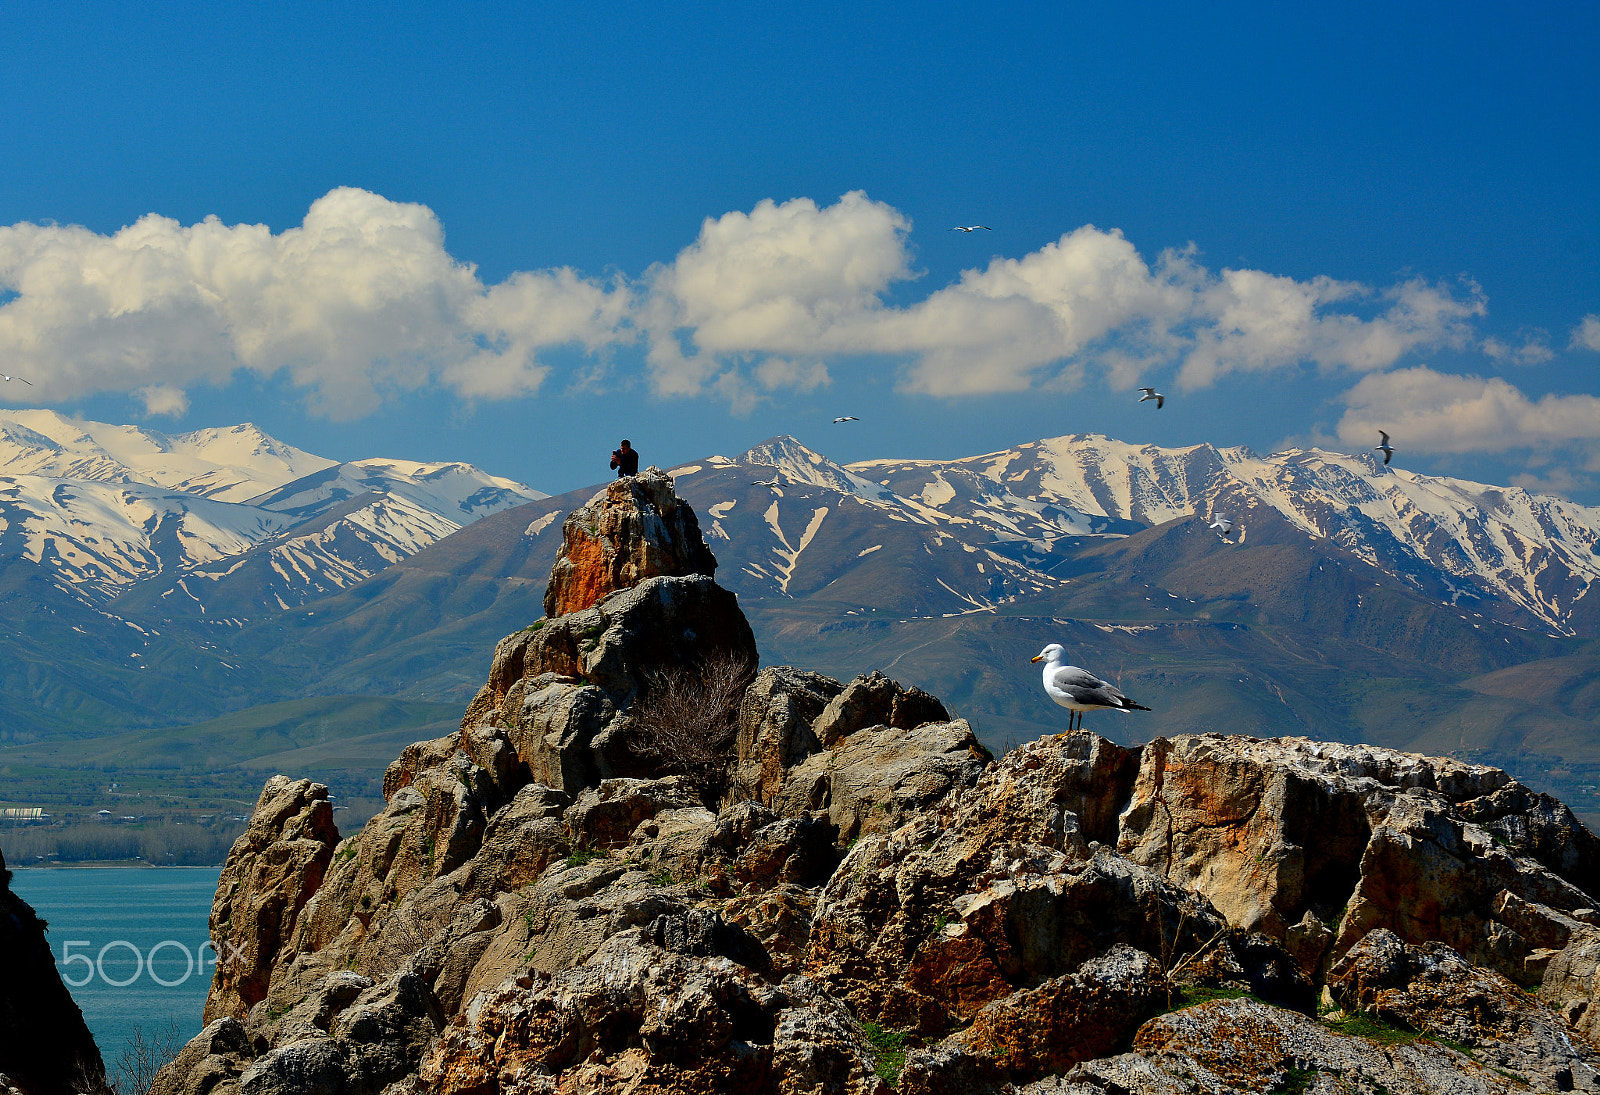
<point>1358,601</point>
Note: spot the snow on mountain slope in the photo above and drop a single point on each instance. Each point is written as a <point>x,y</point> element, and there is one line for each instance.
<point>826,532</point>
<point>94,539</point>
<point>1538,552</point>
<point>458,492</point>
<point>100,508</point>
<point>228,463</point>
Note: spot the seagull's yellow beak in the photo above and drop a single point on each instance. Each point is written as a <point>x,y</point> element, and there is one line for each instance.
<point>1037,658</point>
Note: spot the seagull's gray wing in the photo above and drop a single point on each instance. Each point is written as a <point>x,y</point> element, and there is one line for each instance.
<point>1084,687</point>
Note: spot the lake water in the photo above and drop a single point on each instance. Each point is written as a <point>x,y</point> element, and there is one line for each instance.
<point>131,944</point>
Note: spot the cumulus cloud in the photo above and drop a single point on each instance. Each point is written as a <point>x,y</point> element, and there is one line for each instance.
<point>359,301</point>
<point>362,301</point>
<point>1533,351</point>
<point>1433,412</point>
<point>1586,335</point>
<point>797,278</point>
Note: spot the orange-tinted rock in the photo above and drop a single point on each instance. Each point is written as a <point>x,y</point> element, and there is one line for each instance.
<point>636,528</point>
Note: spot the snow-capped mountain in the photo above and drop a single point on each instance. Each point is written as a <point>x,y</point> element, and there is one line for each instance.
<point>96,538</point>
<point>350,521</point>
<point>100,509</point>
<point>1537,552</point>
<point>228,463</point>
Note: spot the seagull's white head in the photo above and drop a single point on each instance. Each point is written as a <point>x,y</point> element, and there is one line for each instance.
<point>1051,653</point>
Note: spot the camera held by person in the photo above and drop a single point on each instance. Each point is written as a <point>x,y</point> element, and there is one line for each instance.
<point>625,459</point>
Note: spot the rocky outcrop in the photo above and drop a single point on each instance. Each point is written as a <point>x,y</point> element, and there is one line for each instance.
<point>876,898</point>
<point>45,1048</point>
<point>271,873</point>
<point>636,528</point>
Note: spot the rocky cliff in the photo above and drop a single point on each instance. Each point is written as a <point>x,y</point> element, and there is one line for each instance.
<point>45,1048</point>
<point>548,903</point>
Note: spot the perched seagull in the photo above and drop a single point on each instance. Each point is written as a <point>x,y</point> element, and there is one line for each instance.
<point>1385,448</point>
<point>1079,690</point>
<point>1151,393</point>
<point>846,418</point>
<point>24,379</point>
<point>1224,527</point>
<point>971,228</point>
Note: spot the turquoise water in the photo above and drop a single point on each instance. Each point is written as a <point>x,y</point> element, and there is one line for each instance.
<point>134,928</point>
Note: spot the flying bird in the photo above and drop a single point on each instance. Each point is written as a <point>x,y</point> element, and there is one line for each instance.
<point>971,228</point>
<point>1224,527</point>
<point>846,418</point>
<point>1384,447</point>
<point>1151,393</point>
<point>775,481</point>
<point>24,379</point>
<point>1079,690</point>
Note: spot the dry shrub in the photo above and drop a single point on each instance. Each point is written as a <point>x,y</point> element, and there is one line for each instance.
<point>688,719</point>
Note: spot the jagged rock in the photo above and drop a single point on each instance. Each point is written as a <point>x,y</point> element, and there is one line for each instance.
<point>1539,826</point>
<point>1069,1019</point>
<point>271,873</point>
<point>775,734</point>
<point>218,1053</point>
<point>692,1024</point>
<point>555,730</point>
<point>1429,876</point>
<point>634,529</point>
<point>45,1047</point>
<point>606,816</point>
<point>875,700</point>
<point>1432,989</point>
<point>878,777</point>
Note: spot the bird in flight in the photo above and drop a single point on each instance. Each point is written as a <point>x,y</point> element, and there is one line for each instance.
<point>775,481</point>
<point>846,418</point>
<point>24,379</point>
<point>971,228</point>
<point>1224,526</point>
<point>1079,690</point>
<point>1151,393</point>
<point>1384,447</point>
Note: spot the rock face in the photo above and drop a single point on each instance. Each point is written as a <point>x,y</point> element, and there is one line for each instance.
<point>636,528</point>
<point>875,898</point>
<point>45,1049</point>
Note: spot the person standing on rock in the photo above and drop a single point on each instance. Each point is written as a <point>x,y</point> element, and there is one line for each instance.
<point>625,459</point>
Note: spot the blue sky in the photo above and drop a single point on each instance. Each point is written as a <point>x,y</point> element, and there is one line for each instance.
<point>511,234</point>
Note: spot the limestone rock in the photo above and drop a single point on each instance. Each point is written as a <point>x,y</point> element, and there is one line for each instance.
<point>690,1023</point>
<point>879,777</point>
<point>875,700</point>
<point>634,529</point>
<point>45,1048</point>
<point>775,734</point>
<point>272,871</point>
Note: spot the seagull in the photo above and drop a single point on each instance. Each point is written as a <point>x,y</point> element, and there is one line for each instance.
<point>846,418</point>
<point>1151,393</point>
<point>775,481</point>
<point>24,379</point>
<point>971,228</point>
<point>1224,527</point>
<point>1384,447</point>
<point>1079,690</point>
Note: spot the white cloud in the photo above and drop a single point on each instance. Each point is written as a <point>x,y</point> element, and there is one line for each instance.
<point>1533,351</point>
<point>799,279</point>
<point>1586,335</point>
<point>162,399</point>
<point>360,300</point>
<point>1432,412</point>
